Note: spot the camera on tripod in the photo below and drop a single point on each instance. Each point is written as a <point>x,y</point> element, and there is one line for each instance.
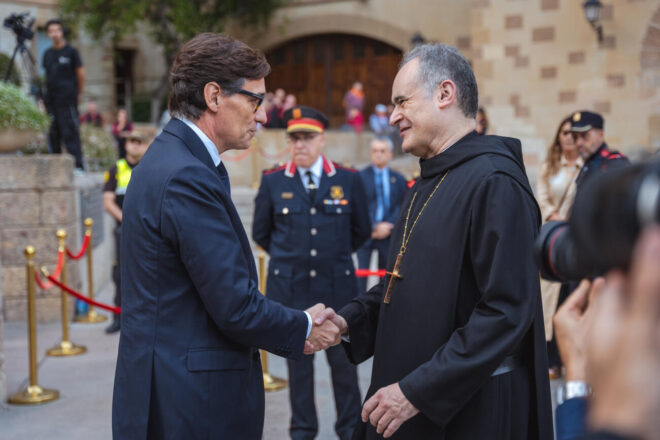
<point>21,24</point>
<point>608,215</point>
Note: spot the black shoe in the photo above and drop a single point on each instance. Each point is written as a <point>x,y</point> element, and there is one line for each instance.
<point>113,328</point>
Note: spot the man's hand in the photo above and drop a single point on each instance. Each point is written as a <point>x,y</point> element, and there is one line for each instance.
<point>330,315</point>
<point>382,230</point>
<point>387,410</point>
<point>623,357</point>
<point>571,323</point>
<point>324,334</point>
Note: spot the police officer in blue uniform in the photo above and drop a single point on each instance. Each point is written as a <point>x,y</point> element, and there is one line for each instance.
<point>589,137</point>
<point>310,215</point>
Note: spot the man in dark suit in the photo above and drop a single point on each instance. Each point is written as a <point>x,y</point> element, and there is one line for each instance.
<point>385,189</point>
<point>192,316</point>
<point>310,215</point>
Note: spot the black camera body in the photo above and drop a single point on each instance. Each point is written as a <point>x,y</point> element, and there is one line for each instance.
<point>608,215</point>
<point>21,25</point>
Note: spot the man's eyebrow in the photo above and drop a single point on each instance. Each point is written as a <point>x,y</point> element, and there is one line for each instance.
<point>398,99</point>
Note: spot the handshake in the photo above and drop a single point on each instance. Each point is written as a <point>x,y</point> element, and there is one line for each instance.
<point>327,329</point>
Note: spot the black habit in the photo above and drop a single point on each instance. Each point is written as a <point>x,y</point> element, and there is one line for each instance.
<point>468,304</point>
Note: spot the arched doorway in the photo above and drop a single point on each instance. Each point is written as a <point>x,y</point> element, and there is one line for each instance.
<point>320,69</point>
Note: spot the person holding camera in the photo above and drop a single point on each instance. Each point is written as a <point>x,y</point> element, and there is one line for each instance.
<point>607,333</point>
<point>65,77</point>
<point>589,138</point>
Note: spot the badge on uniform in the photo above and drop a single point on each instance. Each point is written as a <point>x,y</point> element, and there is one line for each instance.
<point>336,192</point>
<point>287,195</point>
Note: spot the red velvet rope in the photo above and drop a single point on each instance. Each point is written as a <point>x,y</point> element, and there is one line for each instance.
<point>56,273</point>
<point>238,157</point>
<point>367,273</point>
<point>82,297</point>
<point>83,248</point>
<point>276,156</point>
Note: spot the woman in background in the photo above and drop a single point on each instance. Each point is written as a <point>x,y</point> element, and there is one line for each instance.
<point>556,191</point>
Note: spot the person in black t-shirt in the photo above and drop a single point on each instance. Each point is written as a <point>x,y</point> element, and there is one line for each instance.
<point>65,76</point>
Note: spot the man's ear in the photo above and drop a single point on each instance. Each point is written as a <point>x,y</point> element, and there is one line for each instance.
<point>213,95</point>
<point>445,94</point>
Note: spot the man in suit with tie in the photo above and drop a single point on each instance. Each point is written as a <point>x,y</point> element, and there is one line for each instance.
<point>385,189</point>
<point>192,316</point>
<point>310,215</point>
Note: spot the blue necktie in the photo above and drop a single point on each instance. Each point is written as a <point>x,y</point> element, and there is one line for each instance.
<point>379,196</point>
<point>224,177</point>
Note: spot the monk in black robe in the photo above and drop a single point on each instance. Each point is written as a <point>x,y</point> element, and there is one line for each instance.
<point>458,340</point>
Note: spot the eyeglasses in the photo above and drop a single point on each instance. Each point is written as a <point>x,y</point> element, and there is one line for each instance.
<point>259,97</point>
<point>302,136</point>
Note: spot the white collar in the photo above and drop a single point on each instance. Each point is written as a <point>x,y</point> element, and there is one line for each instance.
<point>208,143</point>
<point>316,168</point>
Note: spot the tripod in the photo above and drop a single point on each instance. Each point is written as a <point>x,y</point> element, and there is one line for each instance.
<point>28,64</point>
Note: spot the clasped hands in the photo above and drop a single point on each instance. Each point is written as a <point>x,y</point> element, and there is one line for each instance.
<point>327,329</point>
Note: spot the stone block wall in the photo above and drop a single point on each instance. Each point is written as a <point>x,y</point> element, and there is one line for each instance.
<point>3,377</point>
<point>37,197</point>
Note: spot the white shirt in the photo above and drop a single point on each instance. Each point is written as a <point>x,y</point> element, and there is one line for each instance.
<point>316,169</point>
<point>208,143</point>
<point>215,156</point>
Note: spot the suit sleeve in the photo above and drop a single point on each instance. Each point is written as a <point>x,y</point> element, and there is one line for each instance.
<point>503,226</point>
<point>360,222</point>
<point>196,221</point>
<point>571,419</point>
<point>262,222</point>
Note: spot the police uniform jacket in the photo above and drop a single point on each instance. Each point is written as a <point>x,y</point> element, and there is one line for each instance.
<point>602,160</point>
<point>310,242</point>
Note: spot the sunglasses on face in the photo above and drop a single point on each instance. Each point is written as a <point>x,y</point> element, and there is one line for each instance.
<point>259,98</point>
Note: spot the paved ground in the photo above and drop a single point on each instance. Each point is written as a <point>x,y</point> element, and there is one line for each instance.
<point>85,384</point>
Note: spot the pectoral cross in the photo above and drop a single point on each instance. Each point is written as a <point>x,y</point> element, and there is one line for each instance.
<point>394,275</point>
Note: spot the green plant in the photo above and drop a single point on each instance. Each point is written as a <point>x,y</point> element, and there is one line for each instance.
<point>18,111</point>
<point>99,148</point>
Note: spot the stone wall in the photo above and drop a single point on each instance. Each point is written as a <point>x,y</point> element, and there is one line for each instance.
<point>37,197</point>
<point>3,377</point>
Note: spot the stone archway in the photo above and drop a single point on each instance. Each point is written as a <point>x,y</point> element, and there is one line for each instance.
<point>278,34</point>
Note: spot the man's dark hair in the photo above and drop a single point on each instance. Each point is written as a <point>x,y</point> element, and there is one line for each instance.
<point>54,21</point>
<point>439,62</point>
<point>211,57</point>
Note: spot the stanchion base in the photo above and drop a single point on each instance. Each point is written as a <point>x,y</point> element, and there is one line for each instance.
<point>90,317</point>
<point>66,348</point>
<point>34,395</point>
<point>273,383</point>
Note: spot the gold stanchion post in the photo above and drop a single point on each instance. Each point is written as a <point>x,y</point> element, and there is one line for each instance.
<point>66,347</point>
<point>271,383</point>
<point>91,317</point>
<point>33,394</point>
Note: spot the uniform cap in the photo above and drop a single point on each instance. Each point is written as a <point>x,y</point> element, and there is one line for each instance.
<point>302,118</point>
<point>585,120</point>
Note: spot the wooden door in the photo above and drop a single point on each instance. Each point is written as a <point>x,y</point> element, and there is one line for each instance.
<point>320,69</point>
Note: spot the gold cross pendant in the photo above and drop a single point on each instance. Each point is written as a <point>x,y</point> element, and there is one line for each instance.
<point>394,275</point>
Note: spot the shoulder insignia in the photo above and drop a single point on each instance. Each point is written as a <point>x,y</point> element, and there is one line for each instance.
<point>342,167</point>
<point>276,168</point>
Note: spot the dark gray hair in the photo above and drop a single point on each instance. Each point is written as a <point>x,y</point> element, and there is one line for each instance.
<point>385,139</point>
<point>439,62</point>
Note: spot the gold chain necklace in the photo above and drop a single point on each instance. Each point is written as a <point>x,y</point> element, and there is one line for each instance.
<point>395,274</point>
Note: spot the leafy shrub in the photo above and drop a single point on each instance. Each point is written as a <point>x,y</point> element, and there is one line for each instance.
<point>17,110</point>
<point>99,148</point>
